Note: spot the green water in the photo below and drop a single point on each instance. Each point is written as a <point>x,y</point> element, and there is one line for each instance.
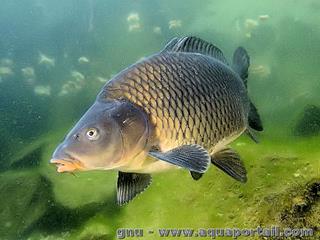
<point>84,43</point>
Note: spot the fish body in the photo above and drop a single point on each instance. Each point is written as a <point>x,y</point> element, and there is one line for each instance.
<point>177,108</point>
<point>46,61</point>
<point>190,98</point>
<point>83,60</point>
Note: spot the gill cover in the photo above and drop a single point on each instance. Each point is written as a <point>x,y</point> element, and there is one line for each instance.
<point>134,128</point>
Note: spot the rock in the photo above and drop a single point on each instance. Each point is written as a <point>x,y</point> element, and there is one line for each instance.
<point>309,123</point>
<point>297,207</point>
<point>24,200</point>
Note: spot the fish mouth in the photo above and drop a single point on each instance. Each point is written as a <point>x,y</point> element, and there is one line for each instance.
<point>67,165</point>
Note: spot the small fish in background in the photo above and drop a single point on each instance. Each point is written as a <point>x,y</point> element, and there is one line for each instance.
<point>74,85</point>
<point>105,79</point>
<point>157,30</point>
<point>45,60</point>
<point>264,17</point>
<point>133,20</point>
<point>77,76</point>
<point>42,90</point>
<point>83,60</point>
<point>250,25</point>
<point>179,108</point>
<point>175,24</point>
<point>133,17</point>
<point>69,87</point>
<point>134,27</point>
<point>5,71</point>
<point>262,71</point>
<point>28,74</point>
<point>102,79</point>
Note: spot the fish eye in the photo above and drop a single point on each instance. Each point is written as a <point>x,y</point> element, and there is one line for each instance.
<point>92,134</point>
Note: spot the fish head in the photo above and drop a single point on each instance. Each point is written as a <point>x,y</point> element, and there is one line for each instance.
<point>107,135</point>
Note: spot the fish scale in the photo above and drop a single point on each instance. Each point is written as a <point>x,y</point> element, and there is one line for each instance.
<point>189,98</point>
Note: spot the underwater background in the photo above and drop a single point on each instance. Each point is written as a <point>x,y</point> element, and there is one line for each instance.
<point>56,55</point>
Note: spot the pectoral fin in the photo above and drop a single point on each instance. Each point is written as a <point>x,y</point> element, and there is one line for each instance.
<point>229,161</point>
<point>130,185</point>
<point>192,157</point>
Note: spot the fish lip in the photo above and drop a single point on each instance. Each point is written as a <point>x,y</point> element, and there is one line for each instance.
<point>69,164</point>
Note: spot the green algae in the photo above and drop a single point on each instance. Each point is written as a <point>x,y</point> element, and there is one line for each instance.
<point>24,198</point>
<point>278,173</point>
<point>216,200</point>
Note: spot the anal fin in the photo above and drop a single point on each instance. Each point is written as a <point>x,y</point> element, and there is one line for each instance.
<point>195,175</point>
<point>229,161</point>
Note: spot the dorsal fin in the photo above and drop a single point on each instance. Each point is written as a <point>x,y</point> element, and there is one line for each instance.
<point>241,63</point>
<point>196,45</point>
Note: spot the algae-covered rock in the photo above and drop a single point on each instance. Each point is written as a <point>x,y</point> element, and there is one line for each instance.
<point>296,208</point>
<point>309,123</point>
<point>24,199</point>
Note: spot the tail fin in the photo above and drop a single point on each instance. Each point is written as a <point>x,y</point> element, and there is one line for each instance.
<point>241,63</point>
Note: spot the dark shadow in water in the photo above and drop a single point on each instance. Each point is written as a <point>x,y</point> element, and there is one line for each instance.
<point>24,200</point>
<point>3,153</point>
<point>30,160</point>
<point>30,207</point>
<point>60,219</point>
<point>309,122</point>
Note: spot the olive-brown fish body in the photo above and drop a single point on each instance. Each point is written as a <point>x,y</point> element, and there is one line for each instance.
<point>176,109</point>
<point>190,98</point>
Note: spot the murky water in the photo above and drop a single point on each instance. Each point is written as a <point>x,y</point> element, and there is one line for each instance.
<point>56,56</point>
